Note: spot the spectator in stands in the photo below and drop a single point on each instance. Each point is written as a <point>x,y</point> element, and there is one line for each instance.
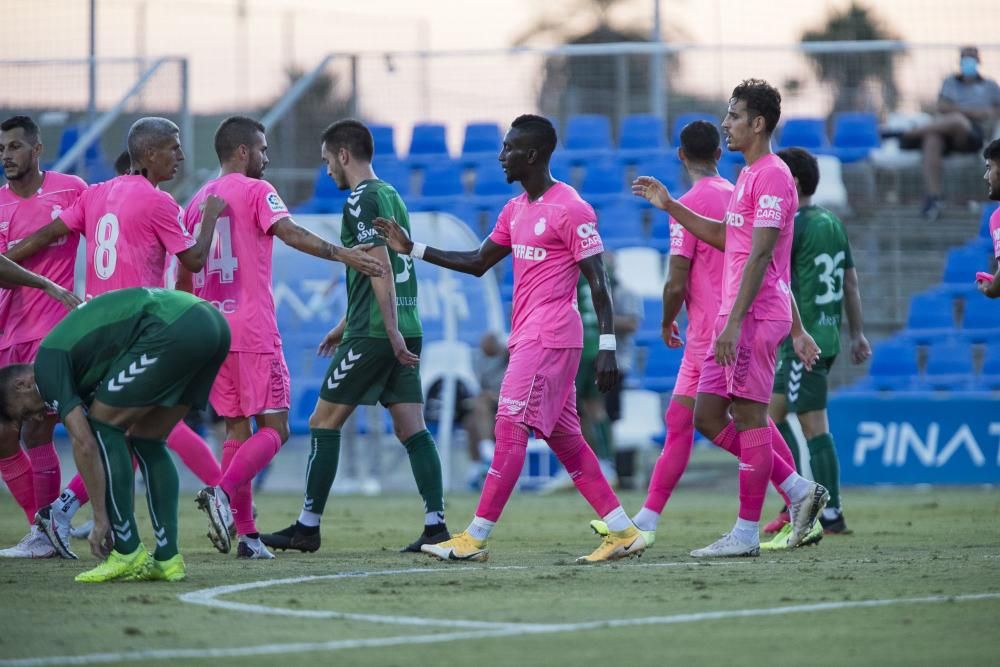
<point>967,109</point>
<point>490,365</point>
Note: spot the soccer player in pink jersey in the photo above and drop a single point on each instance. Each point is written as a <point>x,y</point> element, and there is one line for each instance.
<point>695,279</point>
<point>991,154</point>
<point>253,381</point>
<point>755,315</point>
<point>30,199</point>
<point>130,225</point>
<point>553,236</point>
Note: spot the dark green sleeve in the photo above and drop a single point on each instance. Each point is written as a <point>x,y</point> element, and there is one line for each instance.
<point>848,259</point>
<point>359,211</point>
<point>55,381</point>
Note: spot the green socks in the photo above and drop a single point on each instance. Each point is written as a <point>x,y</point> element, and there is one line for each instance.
<point>162,490</point>
<point>825,467</point>
<point>793,444</point>
<point>426,468</point>
<point>119,483</point>
<point>321,468</point>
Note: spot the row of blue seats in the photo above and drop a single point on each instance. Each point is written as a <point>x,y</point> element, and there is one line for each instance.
<point>589,135</point>
<point>949,367</point>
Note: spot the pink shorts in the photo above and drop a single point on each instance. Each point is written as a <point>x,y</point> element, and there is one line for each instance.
<point>251,383</point>
<point>689,373</point>
<point>539,389</point>
<point>20,353</point>
<point>751,376</point>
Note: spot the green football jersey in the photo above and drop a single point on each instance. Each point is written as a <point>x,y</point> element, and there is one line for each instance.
<point>591,327</point>
<point>820,256</point>
<point>78,352</point>
<point>372,199</point>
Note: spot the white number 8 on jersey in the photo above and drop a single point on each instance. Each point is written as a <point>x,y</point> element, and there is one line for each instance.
<point>106,254</point>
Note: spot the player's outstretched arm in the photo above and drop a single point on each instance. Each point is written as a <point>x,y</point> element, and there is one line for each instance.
<point>761,252</point>
<point>474,262</point>
<point>88,462</point>
<point>804,345</point>
<point>861,350</point>
<point>606,363</point>
<point>193,259</point>
<point>674,292</point>
<point>384,288</point>
<point>14,275</point>
<point>43,238</point>
<point>656,193</point>
<point>303,240</point>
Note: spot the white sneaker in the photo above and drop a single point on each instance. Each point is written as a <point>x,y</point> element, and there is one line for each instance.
<point>82,531</point>
<point>804,512</point>
<point>728,546</point>
<point>32,545</point>
<point>214,502</point>
<point>252,549</point>
<point>55,526</point>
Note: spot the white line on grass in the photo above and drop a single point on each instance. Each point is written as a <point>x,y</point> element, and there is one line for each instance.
<point>512,631</point>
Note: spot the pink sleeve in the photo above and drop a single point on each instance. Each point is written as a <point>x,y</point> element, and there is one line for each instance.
<point>268,206</point>
<point>167,220</point>
<point>75,216</point>
<point>192,214</point>
<point>501,230</point>
<point>995,232</point>
<point>682,242</point>
<point>774,197</point>
<point>579,231</point>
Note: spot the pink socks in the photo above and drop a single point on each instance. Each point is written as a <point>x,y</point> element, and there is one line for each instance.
<point>242,501</point>
<point>79,490</point>
<point>194,453</point>
<point>585,471</point>
<point>46,473</point>
<point>674,458</point>
<point>756,458</point>
<point>508,460</point>
<point>249,459</point>
<point>16,472</point>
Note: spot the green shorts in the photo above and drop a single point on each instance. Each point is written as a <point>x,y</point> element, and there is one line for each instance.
<point>804,390</point>
<point>586,379</point>
<point>169,365</point>
<point>364,371</point>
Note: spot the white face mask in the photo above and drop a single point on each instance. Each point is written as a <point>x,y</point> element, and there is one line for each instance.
<point>968,66</point>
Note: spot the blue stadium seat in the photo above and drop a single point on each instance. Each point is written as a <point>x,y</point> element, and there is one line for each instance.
<point>385,141</point>
<point>855,134</point>
<point>808,133</point>
<point>731,164</point>
<point>642,135</point>
<point>932,315</point>
<point>443,179</point>
<point>649,328</point>
<point>603,182</point>
<point>491,181</point>
<point>427,145</point>
<point>562,168</point>
<point>981,323</point>
<point>587,136</point>
<point>481,140</point>
<point>949,366</point>
<point>666,167</point>
<point>620,224</point>
<point>984,219</point>
<point>326,198</point>
<point>661,369</point>
<point>962,263</point>
<point>394,172</point>
<point>989,378</point>
<point>687,118</point>
<point>659,232</point>
<point>304,397</point>
<point>894,366</point>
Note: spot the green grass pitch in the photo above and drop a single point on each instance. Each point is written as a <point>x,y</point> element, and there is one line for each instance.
<point>530,605</point>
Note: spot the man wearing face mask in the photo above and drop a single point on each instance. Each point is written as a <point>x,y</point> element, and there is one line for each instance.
<point>968,107</point>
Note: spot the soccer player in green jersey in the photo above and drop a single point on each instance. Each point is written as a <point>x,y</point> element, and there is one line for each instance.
<point>121,370</point>
<point>825,285</point>
<point>375,348</point>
